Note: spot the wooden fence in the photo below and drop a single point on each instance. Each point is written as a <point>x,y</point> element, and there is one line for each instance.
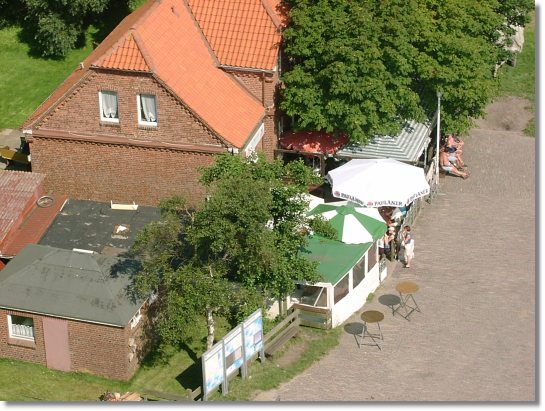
<point>279,335</point>
<point>314,316</point>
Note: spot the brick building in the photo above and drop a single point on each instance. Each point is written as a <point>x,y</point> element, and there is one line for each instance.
<point>72,311</point>
<point>176,82</point>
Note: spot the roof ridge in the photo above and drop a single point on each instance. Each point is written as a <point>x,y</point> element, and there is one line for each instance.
<point>106,283</point>
<point>145,54</point>
<point>272,14</point>
<point>201,33</point>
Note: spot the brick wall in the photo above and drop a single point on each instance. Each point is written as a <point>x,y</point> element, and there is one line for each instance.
<point>21,349</point>
<point>104,172</point>
<point>80,111</point>
<point>265,89</point>
<point>97,349</point>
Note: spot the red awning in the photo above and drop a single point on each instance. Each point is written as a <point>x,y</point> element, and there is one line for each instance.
<point>313,141</point>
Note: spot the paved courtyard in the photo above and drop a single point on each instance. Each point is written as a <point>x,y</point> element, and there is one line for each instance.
<point>475,264</point>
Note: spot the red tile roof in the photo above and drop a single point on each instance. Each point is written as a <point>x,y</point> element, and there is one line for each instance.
<point>31,230</point>
<point>18,192</point>
<point>173,47</point>
<point>242,33</point>
<point>126,55</point>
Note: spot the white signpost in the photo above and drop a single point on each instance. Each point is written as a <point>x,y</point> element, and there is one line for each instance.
<point>232,353</point>
<point>213,369</point>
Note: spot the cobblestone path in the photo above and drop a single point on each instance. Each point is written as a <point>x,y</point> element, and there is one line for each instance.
<point>475,264</point>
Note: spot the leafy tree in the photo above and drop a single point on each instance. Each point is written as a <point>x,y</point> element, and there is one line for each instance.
<point>191,290</point>
<point>59,26</point>
<point>11,12</point>
<point>238,247</point>
<point>53,27</point>
<point>360,67</point>
<point>256,220</point>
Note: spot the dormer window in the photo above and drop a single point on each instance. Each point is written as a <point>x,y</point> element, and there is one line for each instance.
<point>108,106</point>
<point>147,110</point>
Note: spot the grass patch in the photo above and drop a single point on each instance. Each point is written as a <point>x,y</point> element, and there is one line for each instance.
<point>23,381</point>
<point>172,371</point>
<point>25,81</point>
<point>520,80</point>
<point>267,376</point>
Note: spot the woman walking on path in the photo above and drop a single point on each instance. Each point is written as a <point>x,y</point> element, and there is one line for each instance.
<point>407,243</point>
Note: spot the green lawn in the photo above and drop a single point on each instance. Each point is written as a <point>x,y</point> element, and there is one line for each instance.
<point>25,82</point>
<point>520,80</point>
<point>31,382</point>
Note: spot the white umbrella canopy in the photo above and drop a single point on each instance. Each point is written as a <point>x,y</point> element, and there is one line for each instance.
<point>354,225</point>
<point>378,182</point>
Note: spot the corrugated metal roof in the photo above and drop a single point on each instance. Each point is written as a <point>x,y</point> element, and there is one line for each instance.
<point>17,190</point>
<point>33,227</point>
<point>69,284</point>
<point>408,146</point>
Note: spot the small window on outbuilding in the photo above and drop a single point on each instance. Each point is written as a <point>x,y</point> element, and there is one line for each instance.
<point>340,290</point>
<point>358,272</point>
<point>21,327</point>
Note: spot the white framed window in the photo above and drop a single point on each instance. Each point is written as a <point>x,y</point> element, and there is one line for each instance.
<point>108,106</point>
<point>147,109</point>
<point>21,327</point>
<point>136,319</point>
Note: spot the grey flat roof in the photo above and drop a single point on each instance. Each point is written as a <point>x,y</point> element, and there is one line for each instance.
<point>70,284</point>
<point>90,225</point>
<point>408,146</point>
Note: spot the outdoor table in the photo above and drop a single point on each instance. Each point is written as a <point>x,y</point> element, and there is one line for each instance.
<point>391,301</point>
<point>406,289</point>
<point>369,317</point>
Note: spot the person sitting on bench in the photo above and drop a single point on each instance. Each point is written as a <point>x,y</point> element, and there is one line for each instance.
<point>446,165</point>
<point>454,147</point>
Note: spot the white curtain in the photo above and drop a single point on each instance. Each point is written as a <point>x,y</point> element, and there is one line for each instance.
<point>148,107</point>
<point>109,104</point>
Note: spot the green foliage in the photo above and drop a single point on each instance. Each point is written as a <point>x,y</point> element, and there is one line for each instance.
<point>59,26</point>
<point>54,35</point>
<point>255,220</point>
<point>361,67</point>
<point>51,28</point>
<point>322,227</point>
<point>11,12</point>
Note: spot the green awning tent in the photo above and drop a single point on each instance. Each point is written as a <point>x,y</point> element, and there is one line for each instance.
<point>334,258</point>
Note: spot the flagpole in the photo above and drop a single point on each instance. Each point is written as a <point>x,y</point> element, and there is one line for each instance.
<point>438,137</point>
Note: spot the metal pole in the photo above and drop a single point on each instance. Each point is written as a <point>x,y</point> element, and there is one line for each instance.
<point>438,137</point>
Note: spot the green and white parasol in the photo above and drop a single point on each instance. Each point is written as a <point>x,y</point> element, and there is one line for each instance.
<point>354,225</point>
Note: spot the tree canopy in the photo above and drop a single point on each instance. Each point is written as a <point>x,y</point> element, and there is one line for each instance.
<point>53,27</point>
<point>361,67</point>
<point>238,248</point>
